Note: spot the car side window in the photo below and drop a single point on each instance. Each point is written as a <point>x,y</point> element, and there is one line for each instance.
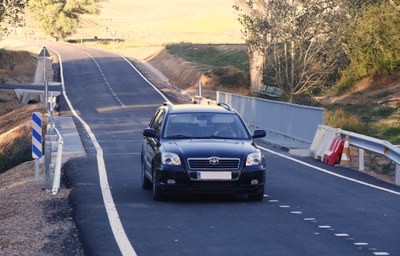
<point>155,117</point>
<point>156,125</point>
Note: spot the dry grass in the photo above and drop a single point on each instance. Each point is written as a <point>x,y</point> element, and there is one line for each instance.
<point>158,22</point>
<point>15,136</point>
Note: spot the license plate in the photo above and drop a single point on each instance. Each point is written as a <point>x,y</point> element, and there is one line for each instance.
<point>214,175</point>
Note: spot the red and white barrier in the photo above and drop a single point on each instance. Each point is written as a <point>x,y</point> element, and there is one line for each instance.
<point>333,155</point>
<point>326,141</point>
<point>319,135</point>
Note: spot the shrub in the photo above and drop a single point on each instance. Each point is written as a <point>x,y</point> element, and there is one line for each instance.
<point>373,44</point>
<point>341,119</point>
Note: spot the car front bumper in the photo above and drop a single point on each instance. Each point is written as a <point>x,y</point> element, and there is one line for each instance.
<point>247,181</point>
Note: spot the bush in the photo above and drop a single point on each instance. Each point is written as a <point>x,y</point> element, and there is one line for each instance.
<point>373,44</point>
<point>341,119</point>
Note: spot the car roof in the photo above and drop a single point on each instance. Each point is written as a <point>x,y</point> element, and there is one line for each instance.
<point>196,108</point>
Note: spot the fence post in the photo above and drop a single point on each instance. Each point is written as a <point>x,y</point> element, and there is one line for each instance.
<point>397,177</point>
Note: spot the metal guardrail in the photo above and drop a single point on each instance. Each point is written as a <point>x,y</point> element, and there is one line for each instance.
<point>374,145</point>
<point>377,146</point>
<point>324,136</point>
<point>53,144</point>
<point>268,114</point>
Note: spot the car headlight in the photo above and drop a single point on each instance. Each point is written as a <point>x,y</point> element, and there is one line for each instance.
<point>254,159</point>
<point>170,159</point>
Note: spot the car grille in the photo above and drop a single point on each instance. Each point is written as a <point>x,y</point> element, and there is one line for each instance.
<point>206,163</point>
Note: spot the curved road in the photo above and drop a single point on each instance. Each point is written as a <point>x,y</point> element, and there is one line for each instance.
<point>307,210</point>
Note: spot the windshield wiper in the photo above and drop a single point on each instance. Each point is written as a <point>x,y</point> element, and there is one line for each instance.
<point>178,136</point>
<point>213,137</point>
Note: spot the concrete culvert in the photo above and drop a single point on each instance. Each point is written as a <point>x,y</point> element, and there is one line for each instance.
<point>33,101</point>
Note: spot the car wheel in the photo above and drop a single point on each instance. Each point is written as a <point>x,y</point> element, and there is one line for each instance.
<point>157,194</point>
<point>146,183</point>
<point>257,197</point>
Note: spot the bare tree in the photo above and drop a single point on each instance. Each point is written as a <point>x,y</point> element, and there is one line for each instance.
<point>296,39</point>
<point>305,45</point>
<point>253,17</point>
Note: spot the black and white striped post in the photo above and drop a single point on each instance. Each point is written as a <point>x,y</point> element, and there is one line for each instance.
<point>36,141</point>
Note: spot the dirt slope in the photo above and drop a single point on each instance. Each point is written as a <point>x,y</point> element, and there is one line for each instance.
<point>33,222</point>
<point>385,90</point>
<point>186,75</point>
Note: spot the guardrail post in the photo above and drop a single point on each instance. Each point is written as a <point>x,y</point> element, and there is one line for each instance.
<point>52,168</point>
<point>47,160</point>
<point>57,171</point>
<point>397,177</point>
<point>361,166</point>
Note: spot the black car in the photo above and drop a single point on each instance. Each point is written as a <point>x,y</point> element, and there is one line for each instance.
<point>192,148</point>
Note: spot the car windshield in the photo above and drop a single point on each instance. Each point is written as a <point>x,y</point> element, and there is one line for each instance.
<point>204,126</point>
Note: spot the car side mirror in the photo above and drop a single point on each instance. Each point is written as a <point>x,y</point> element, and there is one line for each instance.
<point>150,132</point>
<point>259,134</point>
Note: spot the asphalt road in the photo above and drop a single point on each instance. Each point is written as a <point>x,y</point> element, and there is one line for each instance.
<point>306,211</point>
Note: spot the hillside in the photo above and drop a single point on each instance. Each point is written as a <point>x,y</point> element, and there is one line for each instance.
<point>375,103</point>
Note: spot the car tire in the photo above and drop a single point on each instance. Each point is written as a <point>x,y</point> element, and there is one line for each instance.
<point>157,194</point>
<point>146,183</point>
<point>257,197</point>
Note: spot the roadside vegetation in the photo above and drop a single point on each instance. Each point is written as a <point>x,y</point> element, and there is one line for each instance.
<point>229,65</point>
<point>375,119</point>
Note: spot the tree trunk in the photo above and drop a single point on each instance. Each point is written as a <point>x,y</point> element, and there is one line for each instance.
<point>257,64</point>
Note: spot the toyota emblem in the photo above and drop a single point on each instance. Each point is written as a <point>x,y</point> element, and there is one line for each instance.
<point>214,161</point>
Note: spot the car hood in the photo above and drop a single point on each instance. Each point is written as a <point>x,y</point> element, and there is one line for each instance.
<point>204,148</point>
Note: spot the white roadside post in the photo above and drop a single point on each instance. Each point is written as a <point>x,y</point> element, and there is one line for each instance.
<point>113,34</point>
<point>36,141</point>
<point>200,85</point>
<point>44,53</point>
<point>361,164</point>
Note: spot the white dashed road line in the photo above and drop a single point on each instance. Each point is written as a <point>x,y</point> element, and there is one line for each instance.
<point>106,81</point>
<point>328,228</point>
<point>329,172</point>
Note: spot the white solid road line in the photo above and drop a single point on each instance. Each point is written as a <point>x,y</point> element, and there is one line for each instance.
<point>120,236</point>
<point>331,173</point>
<point>145,78</point>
